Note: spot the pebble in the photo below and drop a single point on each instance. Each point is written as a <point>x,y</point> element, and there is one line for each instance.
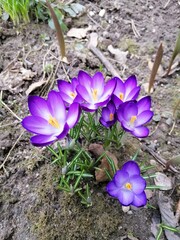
<point>157,118</point>
<point>102,12</point>
<point>125,209</point>
<point>91,13</point>
<point>169,121</point>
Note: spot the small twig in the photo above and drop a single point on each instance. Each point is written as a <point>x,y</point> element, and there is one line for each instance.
<point>167,3</point>
<point>173,126</point>
<point>135,31</point>
<point>5,160</point>
<point>62,64</point>
<point>104,60</point>
<point>10,110</point>
<point>95,22</point>
<point>161,160</point>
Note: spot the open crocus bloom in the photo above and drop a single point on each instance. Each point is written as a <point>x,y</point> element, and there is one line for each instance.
<point>108,115</point>
<point>128,186</point>
<point>125,91</point>
<point>49,120</point>
<point>94,91</point>
<point>133,115</point>
<point>68,91</point>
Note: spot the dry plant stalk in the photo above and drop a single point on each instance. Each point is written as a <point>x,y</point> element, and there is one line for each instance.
<point>58,31</point>
<point>157,62</point>
<point>175,53</point>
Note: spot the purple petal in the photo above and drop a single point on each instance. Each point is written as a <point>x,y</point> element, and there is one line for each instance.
<point>73,114</point>
<point>82,91</point>
<point>125,197</point>
<point>143,118</point>
<point>138,184</point>
<point>140,132</point>
<point>112,189</point>
<point>74,83</point>
<point>108,90</point>
<point>64,132</point>
<point>120,88</point>
<point>39,125</point>
<point>98,83</point>
<point>133,94</point>
<point>127,127</point>
<point>57,107</point>
<point>38,107</point>
<point>85,80</point>
<point>128,110</point>
<point>132,168</point>
<point>105,114</point>
<point>64,86</point>
<point>89,107</point>
<point>129,84</point>
<point>120,178</point>
<point>144,104</point>
<point>139,200</point>
<point>117,101</point>
<point>42,140</point>
<point>66,98</point>
<point>111,107</point>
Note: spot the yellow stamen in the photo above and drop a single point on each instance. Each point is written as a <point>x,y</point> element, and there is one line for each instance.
<point>128,186</point>
<point>53,122</point>
<point>111,116</point>
<point>133,119</point>
<point>94,94</point>
<point>72,94</point>
<point>121,96</point>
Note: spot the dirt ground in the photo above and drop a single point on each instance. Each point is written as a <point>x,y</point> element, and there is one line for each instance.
<point>31,206</point>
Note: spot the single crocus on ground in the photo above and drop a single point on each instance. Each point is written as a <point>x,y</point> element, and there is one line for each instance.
<point>128,186</point>
<point>125,91</point>
<point>94,91</point>
<point>108,115</point>
<point>49,119</point>
<point>68,91</point>
<point>133,115</point>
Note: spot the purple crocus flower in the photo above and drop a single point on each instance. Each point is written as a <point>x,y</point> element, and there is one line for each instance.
<point>94,91</point>
<point>125,91</point>
<point>128,186</point>
<point>68,91</point>
<point>133,115</point>
<point>108,115</point>
<point>49,120</point>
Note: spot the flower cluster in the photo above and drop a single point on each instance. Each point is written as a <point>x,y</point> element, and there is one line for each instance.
<point>51,119</point>
<point>128,186</point>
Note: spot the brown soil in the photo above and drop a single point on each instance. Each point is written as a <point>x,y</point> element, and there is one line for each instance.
<point>31,207</point>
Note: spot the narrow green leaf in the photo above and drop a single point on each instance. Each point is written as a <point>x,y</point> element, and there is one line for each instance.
<point>157,62</point>
<point>172,229</point>
<point>158,237</point>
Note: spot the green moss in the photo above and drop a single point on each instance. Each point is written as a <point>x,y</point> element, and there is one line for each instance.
<point>128,44</point>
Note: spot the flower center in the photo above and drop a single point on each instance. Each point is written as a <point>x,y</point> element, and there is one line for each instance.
<point>53,122</point>
<point>128,186</point>
<point>121,96</point>
<point>133,119</point>
<point>94,94</point>
<point>111,116</point>
<point>72,94</point>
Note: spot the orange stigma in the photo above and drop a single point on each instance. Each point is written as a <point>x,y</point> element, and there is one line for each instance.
<point>128,186</point>
<point>121,96</point>
<point>94,94</point>
<point>111,116</point>
<point>53,122</point>
<point>133,119</point>
<point>72,94</point>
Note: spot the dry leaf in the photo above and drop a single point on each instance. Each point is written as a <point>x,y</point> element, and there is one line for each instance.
<point>156,65</point>
<point>78,32</point>
<point>120,56</point>
<point>160,71</point>
<point>167,215</point>
<point>35,85</point>
<point>163,181</point>
<point>98,150</point>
